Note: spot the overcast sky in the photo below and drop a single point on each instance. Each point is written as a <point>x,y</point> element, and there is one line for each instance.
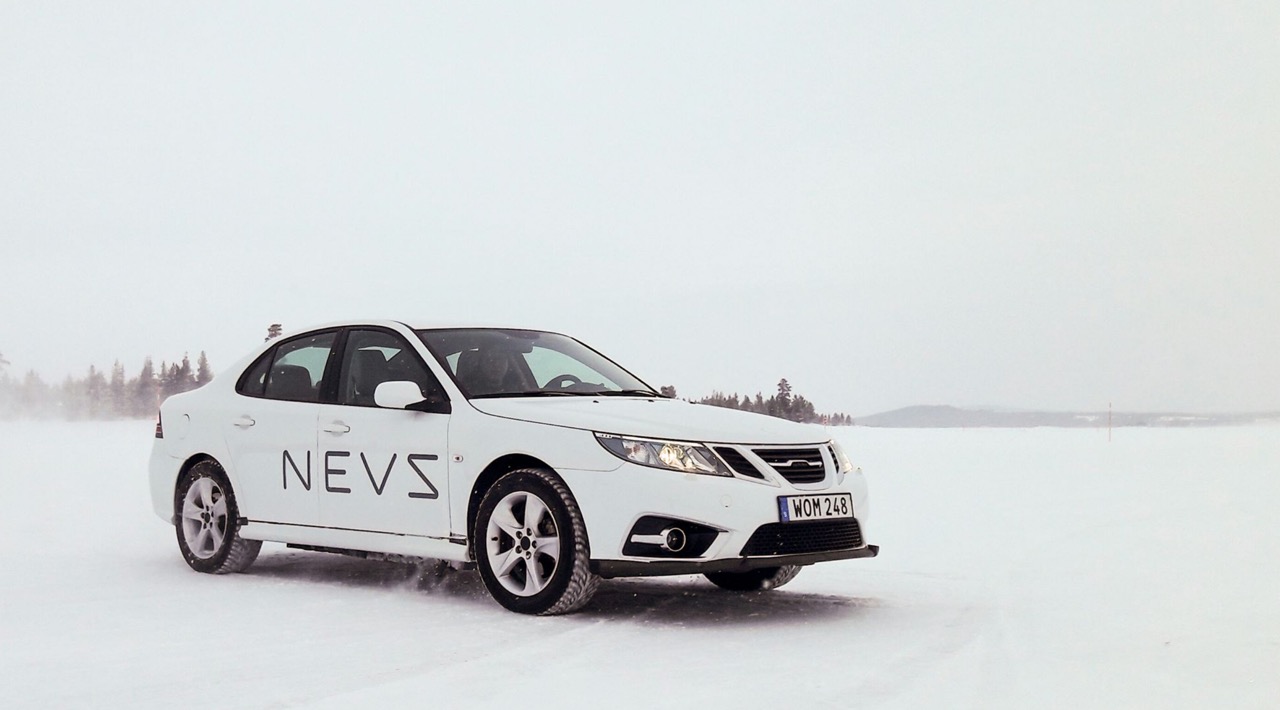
<point>1046,205</point>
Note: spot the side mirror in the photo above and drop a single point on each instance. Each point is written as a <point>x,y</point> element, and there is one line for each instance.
<point>403,394</point>
<point>397,395</point>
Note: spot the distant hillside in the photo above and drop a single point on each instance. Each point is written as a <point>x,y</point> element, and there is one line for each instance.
<point>942,416</point>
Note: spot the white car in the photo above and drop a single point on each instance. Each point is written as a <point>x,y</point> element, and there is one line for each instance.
<point>524,453</point>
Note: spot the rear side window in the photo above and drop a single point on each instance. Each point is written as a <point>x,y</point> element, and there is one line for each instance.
<point>255,378</point>
<point>296,368</point>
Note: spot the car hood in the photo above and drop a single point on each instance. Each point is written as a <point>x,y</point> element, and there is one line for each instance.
<point>654,418</point>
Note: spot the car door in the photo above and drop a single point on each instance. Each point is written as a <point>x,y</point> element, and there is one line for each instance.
<point>271,431</point>
<point>383,470</point>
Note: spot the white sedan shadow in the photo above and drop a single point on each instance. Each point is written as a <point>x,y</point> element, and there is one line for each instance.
<point>682,601</point>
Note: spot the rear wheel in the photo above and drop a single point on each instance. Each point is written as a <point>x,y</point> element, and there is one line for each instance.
<point>755,580</point>
<point>208,531</point>
<point>531,544</point>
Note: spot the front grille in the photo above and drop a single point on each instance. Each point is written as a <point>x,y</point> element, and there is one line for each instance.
<point>800,538</point>
<point>738,462</point>
<point>795,465</point>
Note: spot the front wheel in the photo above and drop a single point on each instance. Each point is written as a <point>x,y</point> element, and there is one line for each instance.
<point>754,580</point>
<point>208,533</point>
<point>531,545</point>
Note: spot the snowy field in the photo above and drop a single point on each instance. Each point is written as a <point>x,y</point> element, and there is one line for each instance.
<point>1042,568</point>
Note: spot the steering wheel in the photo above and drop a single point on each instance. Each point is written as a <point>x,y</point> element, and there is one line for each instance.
<point>560,381</point>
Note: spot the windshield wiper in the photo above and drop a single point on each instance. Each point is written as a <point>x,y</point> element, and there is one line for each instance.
<point>535,393</point>
<point>569,393</point>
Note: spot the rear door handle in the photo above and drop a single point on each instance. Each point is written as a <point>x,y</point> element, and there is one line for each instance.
<point>337,428</point>
<point>244,422</point>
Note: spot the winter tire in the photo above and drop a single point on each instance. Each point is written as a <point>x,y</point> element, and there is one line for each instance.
<point>531,544</point>
<point>207,527</point>
<point>755,580</point>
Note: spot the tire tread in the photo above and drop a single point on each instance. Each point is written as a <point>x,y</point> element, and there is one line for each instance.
<point>581,583</point>
<point>241,552</point>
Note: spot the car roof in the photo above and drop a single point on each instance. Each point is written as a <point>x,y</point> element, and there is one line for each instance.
<point>414,324</point>
<point>433,324</point>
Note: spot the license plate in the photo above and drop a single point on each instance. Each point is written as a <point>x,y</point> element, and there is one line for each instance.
<point>823,507</point>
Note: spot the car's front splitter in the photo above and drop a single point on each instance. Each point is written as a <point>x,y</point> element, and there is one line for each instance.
<point>633,568</point>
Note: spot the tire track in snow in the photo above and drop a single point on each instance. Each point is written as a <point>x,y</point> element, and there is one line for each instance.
<point>952,639</point>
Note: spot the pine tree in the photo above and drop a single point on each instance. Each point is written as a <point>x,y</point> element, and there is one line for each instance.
<point>185,379</point>
<point>783,406</point>
<point>34,396</point>
<point>9,406</point>
<point>144,390</point>
<point>95,392</point>
<point>204,373</point>
<point>71,399</point>
<point>802,410</point>
<point>172,383</point>
<point>117,396</point>
<point>163,382</point>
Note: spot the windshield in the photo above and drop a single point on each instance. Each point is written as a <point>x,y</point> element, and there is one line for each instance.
<point>487,362</point>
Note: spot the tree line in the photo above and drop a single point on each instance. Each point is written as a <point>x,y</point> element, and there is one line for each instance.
<point>113,395</point>
<point>99,394</point>
<point>784,405</point>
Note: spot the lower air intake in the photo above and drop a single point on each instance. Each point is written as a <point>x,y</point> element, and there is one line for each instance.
<point>801,538</point>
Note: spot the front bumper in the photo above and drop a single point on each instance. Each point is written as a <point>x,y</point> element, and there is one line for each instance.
<point>629,568</point>
<point>743,516</point>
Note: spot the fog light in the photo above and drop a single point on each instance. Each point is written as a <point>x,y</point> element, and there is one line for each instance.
<point>675,539</point>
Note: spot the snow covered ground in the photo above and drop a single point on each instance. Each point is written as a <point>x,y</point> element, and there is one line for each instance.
<point>1025,568</point>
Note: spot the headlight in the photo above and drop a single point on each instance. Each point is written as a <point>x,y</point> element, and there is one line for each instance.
<point>843,464</point>
<point>672,455</point>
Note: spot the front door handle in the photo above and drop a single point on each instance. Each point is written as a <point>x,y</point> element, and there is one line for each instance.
<point>244,422</point>
<point>337,428</point>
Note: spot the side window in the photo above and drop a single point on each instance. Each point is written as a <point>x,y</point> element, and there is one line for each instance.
<point>298,368</point>
<point>376,356</point>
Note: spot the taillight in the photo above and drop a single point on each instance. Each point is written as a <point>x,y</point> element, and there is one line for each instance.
<point>159,427</point>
